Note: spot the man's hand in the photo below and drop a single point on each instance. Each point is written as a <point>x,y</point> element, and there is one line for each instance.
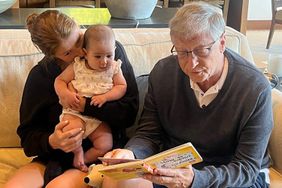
<point>172,178</point>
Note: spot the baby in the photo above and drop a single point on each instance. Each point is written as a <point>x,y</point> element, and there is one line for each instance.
<point>97,76</point>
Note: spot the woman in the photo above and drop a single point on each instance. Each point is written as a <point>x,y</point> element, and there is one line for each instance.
<point>40,131</point>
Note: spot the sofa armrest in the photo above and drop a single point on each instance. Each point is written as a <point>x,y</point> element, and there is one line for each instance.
<point>275,143</point>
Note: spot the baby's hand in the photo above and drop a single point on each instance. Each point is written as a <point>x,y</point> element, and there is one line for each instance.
<point>70,100</point>
<point>98,100</point>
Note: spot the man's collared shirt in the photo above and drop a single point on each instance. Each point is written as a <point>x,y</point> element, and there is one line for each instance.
<point>205,98</point>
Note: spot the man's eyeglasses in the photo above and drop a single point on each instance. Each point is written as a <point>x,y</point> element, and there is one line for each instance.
<point>199,52</point>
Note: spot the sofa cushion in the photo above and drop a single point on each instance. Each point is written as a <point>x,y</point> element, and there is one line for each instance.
<point>13,73</point>
<point>10,160</point>
<point>17,56</point>
<point>144,47</point>
<point>16,42</point>
<point>142,83</point>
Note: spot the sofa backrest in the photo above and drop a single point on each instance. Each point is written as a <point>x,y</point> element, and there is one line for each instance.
<point>17,56</point>
<point>144,48</point>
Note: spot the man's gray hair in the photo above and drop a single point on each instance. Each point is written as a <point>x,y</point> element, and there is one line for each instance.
<point>197,18</point>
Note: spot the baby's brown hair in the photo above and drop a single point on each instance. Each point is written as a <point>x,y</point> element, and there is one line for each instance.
<point>98,33</point>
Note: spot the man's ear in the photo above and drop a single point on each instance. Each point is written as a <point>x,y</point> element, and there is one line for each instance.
<point>222,43</point>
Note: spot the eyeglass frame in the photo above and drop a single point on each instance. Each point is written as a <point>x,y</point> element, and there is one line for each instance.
<point>208,47</point>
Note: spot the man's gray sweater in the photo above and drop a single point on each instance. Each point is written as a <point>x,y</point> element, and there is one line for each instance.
<point>231,133</point>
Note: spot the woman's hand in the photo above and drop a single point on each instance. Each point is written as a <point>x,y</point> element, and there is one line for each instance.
<point>172,178</point>
<point>66,141</point>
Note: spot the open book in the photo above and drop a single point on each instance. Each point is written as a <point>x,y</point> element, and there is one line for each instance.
<point>176,157</point>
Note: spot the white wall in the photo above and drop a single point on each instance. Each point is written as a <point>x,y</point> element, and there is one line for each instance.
<point>259,10</point>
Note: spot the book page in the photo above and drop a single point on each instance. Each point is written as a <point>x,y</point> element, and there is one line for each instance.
<point>176,157</point>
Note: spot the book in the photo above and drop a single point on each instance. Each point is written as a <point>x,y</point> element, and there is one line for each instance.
<point>113,161</point>
<point>177,157</point>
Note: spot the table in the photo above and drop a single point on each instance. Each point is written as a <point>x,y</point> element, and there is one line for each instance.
<point>15,18</point>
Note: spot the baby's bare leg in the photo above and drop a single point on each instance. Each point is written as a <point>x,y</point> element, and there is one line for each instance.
<point>102,143</point>
<point>76,122</point>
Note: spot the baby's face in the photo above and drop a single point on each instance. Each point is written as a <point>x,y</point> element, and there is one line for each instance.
<point>100,55</point>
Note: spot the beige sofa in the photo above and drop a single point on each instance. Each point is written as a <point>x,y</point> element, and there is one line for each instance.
<point>143,46</point>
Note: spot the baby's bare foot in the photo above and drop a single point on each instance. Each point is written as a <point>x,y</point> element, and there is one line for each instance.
<point>78,162</point>
<point>83,168</point>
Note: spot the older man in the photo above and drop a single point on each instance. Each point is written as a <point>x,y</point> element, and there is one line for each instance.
<point>210,96</point>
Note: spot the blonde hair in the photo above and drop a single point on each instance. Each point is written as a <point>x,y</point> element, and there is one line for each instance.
<point>98,33</point>
<point>48,29</point>
<point>197,18</point>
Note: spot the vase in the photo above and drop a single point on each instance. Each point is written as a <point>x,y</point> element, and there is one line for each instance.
<point>131,9</point>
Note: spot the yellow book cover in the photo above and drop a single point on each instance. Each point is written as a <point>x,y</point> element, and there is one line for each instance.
<point>177,157</point>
